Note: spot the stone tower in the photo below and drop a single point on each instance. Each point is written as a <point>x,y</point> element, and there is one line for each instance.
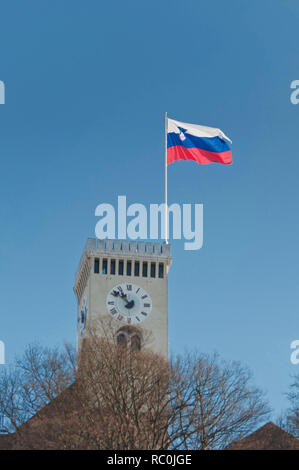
<point>127,281</point>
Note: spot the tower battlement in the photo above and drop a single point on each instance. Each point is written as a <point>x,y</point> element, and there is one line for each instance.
<point>132,249</point>
<point>123,246</point>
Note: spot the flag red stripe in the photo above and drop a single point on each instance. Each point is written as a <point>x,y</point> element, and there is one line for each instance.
<point>203,157</point>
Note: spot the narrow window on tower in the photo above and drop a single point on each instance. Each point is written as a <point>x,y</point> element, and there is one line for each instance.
<point>135,343</point>
<point>112,266</point>
<point>144,269</point>
<point>104,266</point>
<point>136,268</point>
<point>96,265</point>
<point>161,270</point>
<point>129,268</point>
<point>153,269</point>
<point>120,268</point>
<point>121,339</point>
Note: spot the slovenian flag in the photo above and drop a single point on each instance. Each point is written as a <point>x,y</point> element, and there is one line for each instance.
<point>199,143</point>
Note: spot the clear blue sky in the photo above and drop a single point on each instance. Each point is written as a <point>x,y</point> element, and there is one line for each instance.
<point>87,84</point>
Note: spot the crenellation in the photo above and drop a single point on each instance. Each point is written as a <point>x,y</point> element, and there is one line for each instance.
<point>95,247</point>
<point>118,246</point>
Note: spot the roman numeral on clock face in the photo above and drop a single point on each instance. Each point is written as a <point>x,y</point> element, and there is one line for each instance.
<point>146,305</point>
<point>144,296</point>
<point>129,286</point>
<point>113,311</point>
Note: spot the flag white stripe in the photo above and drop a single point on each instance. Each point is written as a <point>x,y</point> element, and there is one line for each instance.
<point>195,129</point>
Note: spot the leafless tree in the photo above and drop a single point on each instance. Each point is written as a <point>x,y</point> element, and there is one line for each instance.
<point>120,397</point>
<point>291,419</point>
<point>36,379</point>
<point>214,402</point>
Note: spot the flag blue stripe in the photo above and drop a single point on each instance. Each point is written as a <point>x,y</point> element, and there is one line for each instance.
<point>211,144</point>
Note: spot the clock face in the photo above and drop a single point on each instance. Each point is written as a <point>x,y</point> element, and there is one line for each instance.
<point>129,303</point>
<point>83,316</point>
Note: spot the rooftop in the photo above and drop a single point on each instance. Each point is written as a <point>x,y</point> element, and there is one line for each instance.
<point>268,437</point>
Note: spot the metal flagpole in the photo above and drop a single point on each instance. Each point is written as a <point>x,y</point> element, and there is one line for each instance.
<point>166,208</point>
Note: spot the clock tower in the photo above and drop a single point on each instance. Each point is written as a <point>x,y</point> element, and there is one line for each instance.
<point>127,282</point>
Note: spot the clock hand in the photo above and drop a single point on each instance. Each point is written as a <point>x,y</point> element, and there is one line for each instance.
<point>130,304</point>
<point>116,293</point>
